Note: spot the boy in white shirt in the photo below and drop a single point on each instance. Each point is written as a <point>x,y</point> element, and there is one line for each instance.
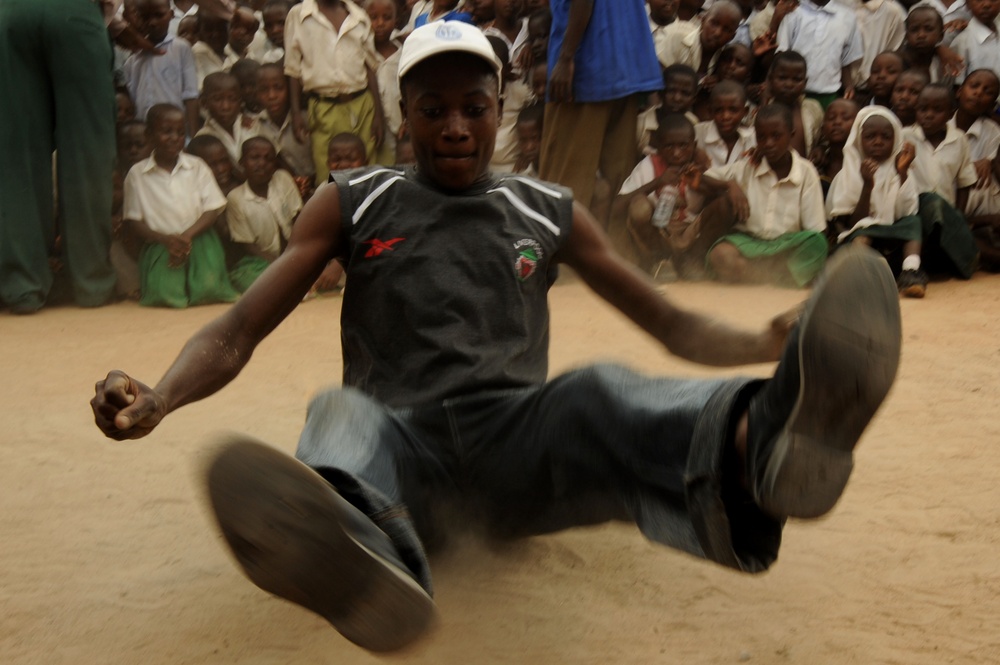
<point>942,175</point>
<point>778,207</point>
<point>826,34</point>
<point>172,202</point>
<point>977,99</point>
<point>882,24</point>
<point>260,212</point>
<point>222,98</point>
<point>724,139</point>
<point>979,43</point>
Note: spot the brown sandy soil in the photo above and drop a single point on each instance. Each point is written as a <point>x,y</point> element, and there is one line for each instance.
<point>106,555</point>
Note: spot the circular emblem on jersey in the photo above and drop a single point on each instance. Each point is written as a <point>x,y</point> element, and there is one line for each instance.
<point>529,253</point>
<point>448,33</point>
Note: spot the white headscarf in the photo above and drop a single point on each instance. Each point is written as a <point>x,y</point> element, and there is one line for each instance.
<point>891,198</point>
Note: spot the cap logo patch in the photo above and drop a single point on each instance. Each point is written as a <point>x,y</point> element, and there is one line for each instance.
<point>448,33</point>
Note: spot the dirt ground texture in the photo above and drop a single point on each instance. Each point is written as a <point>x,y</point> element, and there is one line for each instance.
<point>107,554</point>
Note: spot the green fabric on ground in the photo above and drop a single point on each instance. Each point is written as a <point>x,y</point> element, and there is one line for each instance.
<point>246,271</point>
<point>806,251</point>
<point>903,229</point>
<point>948,240</point>
<point>201,280</point>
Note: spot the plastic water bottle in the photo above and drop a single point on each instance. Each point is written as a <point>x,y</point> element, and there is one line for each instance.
<point>665,206</point>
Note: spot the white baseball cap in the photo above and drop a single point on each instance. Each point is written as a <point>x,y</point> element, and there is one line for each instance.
<point>446,37</point>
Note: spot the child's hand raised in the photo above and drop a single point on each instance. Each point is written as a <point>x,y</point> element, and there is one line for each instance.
<point>868,168</point>
<point>765,44</point>
<point>904,159</point>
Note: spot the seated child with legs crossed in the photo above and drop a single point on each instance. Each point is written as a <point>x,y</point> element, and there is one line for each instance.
<point>943,174</point>
<point>260,212</point>
<point>777,209</point>
<point>172,202</point>
<point>872,201</point>
<point>662,207</point>
<point>977,100</point>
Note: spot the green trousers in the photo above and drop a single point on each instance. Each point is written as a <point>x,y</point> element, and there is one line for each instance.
<point>56,93</point>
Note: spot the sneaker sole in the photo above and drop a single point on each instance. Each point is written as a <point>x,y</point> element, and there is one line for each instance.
<point>849,347</point>
<point>290,534</point>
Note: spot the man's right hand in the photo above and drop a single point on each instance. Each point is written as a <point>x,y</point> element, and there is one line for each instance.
<point>124,408</point>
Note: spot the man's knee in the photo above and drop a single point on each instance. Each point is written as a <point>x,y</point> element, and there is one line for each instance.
<point>727,262</point>
<point>640,211</point>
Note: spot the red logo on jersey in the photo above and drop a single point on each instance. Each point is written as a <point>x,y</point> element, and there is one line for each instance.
<point>379,246</point>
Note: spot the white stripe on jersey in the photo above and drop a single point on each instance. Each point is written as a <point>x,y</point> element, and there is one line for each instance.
<point>523,207</point>
<point>372,175</point>
<point>534,184</point>
<point>370,199</point>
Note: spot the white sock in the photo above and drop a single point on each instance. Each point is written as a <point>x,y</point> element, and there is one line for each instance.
<point>911,262</point>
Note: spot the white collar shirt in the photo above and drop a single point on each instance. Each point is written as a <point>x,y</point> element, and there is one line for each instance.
<point>329,62</point>
<point>707,136</point>
<point>979,45</point>
<point>264,221</point>
<point>777,205</point>
<point>827,37</point>
<point>170,202</point>
<point>943,169</point>
<point>882,24</point>
<point>232,142</point>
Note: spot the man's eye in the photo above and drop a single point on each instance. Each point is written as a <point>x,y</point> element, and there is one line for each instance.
<point>430,112</point>
<point>476,111</point>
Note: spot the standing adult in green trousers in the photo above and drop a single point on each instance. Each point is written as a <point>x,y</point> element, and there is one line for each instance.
<point>56,93</point>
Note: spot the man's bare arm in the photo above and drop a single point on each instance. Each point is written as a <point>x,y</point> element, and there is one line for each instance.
<point>126,409</point>
<point>686,334</point>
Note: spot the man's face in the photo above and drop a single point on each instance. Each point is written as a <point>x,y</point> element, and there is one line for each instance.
<point>481,10</point>
<point>450,102</point>
<point>735,64</point>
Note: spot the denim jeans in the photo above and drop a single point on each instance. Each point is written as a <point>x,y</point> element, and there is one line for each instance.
<point>596,444</point>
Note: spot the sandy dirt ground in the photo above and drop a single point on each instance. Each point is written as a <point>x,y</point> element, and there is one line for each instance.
<point>107,555</point>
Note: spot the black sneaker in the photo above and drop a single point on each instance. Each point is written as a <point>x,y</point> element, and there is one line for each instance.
<point>296,538</point>
<point>837,367</point>
<point>912,283</point>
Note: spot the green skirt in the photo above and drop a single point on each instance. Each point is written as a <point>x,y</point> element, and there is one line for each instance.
<point>904,229</point>
<point>805,251</point>
<point>948,240</point>
<point>201,280</point>
<point>246,271</point>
